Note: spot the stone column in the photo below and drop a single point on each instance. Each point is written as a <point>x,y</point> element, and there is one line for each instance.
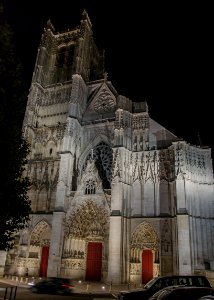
<point>58,221</point>
<point>183,227</point>
<point>184,246</point>
<point>115,255</point>
<point>115,235</point>
<point>55,251</point>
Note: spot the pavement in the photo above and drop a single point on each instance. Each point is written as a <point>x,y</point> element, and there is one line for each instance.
<point>80,287</point>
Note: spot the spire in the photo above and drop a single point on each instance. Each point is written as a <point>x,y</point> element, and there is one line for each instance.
<point>85,17</point>
<point>50,26</point>
<point>199,140</point>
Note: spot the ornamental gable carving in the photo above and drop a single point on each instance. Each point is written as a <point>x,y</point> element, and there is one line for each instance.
<point>90,182</point>
<point>104,101</point>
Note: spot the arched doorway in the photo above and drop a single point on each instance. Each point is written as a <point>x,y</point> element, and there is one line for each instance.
<point>39,247</point>
<point>144,253</point>
<point>85,240</point>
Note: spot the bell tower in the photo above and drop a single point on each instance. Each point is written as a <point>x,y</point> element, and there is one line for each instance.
<point>60,55</point>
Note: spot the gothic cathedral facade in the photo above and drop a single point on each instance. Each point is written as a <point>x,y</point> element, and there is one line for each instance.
<point>115,196</point>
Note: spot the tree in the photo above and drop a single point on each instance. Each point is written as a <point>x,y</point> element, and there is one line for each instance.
<point>14,202</point>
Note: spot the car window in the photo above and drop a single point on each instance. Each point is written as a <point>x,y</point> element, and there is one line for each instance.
<point>169,281</point>
<point>158,285</point>
<point>150,283</point>
<point>201,281</point>
<point>183,281</point>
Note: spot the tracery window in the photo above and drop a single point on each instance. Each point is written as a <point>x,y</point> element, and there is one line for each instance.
<point>70,55</point>
<point>102,154</point>
<point>90,186</point>
<point>60,57</point>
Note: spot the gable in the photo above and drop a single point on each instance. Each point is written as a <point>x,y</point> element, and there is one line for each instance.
<point>102,104</point>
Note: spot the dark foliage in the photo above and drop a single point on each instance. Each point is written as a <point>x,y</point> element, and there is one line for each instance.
<point>14,202</point>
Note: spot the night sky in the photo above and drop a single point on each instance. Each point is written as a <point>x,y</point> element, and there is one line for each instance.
<point>160,53</point>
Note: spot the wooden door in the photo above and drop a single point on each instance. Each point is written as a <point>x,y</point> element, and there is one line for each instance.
<point>44,262</point>
<point>94,262</point>
<point>147,266</point>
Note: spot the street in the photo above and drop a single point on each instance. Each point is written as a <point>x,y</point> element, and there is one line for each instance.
<point>26,294</point>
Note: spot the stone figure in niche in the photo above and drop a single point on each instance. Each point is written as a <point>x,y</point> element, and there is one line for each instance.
<point>24,238</point>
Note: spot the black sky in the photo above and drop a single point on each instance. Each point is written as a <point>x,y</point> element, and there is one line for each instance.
<point>162,53</point>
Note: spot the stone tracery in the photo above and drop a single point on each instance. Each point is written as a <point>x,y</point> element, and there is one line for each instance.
<point>102,155</point>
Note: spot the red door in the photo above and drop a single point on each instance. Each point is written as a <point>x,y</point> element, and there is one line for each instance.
<point>44,262</point>
<point>94,262</point>
<point>147,266</point>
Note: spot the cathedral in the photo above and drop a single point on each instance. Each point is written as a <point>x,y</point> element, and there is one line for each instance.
<point>115,196</point>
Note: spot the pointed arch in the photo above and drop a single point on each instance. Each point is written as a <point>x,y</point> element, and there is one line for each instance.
<point>97,140</point>
<point>90,182</point>
<point>144,236</point>
<point>144,252</point>
<point>88,219</point>
<point>50,148</point>
<point>103,157</point>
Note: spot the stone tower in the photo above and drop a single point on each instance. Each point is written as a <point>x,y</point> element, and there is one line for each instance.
<point>115,196</point>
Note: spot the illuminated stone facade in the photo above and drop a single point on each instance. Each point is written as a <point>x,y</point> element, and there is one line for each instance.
<point>102,171</point>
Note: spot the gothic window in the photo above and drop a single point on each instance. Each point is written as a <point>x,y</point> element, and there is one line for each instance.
<point>70,55</point>
<point>90,187</point>
<point>60,57</point>
<point>102,154</point>
<point>135,143</point>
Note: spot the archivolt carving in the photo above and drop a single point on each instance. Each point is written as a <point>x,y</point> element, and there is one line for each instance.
<point>89,219</point>
<point>39,232</point>
<point>144,237</point>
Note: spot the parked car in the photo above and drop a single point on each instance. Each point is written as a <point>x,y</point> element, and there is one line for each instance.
<point>161,282</point>
<point>53,285</point>
<point>182,292</point>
